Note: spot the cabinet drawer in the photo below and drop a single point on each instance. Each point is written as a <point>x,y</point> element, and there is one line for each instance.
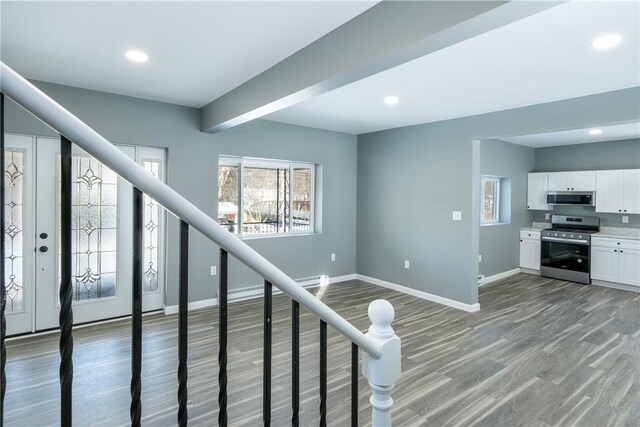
<point>530,235</point>
<point>615,243</point>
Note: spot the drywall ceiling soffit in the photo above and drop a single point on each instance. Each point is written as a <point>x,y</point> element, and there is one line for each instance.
<point>383,37</point>
<point>546,57</point>
<point>198,50</point>
<point>614,132</point>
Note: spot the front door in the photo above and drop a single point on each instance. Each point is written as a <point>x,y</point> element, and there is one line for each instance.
<point>101,237</point>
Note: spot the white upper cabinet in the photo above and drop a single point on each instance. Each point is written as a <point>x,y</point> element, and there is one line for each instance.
<point>618,191</point>
<point>537,187</point>
<point>572,181</point>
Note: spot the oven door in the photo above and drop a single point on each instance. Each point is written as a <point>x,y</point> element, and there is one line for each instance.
<point>565,255</point>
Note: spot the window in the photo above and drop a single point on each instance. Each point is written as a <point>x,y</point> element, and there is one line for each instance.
<point>490,210</point>
<point>265,197</point>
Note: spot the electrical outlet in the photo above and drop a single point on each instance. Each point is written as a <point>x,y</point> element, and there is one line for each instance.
<point>406,264</point>
<point>333,257</point>
<point>456,216</point>
<point>479,258</point>
<point>547,216</point>
<point>214,270</point>
<point>625,219</point>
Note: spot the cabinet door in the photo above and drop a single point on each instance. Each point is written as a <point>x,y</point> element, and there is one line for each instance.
<point>609,191</point>
<point>631,191</point>
<point>582,181</point>
<point>629,267</point>
<point>559,181</point>
<point>530,254</point>
<point>604,263</point>
<point>537,184</point>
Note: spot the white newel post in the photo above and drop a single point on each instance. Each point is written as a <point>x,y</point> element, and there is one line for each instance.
<point>382,373</point>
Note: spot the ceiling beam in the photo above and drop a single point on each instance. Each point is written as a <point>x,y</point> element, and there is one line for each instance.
<point>385,36</point>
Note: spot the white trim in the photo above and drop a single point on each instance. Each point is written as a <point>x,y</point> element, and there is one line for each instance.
<point>196,305</point>
<point>529,271</point>
<point>498,276</point>
<point>619,286</point>
<point>257,292</point>
<point>420,294</point>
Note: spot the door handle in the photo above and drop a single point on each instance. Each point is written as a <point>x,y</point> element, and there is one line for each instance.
<point>43,249</point>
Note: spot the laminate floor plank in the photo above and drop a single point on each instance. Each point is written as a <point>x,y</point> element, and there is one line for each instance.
<point>541,352</point>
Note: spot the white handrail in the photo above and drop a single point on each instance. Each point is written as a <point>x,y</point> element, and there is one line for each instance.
<point>65,123</point>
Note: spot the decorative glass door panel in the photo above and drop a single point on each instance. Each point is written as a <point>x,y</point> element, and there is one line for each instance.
<point>94,229</point>
<point>18,232</point>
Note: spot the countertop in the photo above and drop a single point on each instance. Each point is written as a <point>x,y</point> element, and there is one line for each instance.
<point>618,233</point>
<point>536,226</point>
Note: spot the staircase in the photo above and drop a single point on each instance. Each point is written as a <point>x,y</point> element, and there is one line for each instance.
<point>380,346</point>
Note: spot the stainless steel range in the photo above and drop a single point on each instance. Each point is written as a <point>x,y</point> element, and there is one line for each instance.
<point>565,248</point>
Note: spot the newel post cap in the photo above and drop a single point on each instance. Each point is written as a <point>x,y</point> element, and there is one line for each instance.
<point>385,370</point>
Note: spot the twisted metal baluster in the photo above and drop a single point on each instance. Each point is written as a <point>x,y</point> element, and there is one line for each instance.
<point>66,309</point>
<point>183,318</point>
<point>3,295</point>
<point>222,336</point>
<point>135,410</point>
<point>323,373</point>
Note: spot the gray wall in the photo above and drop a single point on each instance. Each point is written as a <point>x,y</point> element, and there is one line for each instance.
<point>192,170</point>
<point>499,244</point>
<point>410,179</point>
<point>600,155</point>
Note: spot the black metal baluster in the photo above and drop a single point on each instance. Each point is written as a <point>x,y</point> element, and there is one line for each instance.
<point>266,371</point>
<point>222,334</point>
<point>135,410</point>
<point>295,363</point>
<point>66,289</point>
<point>323,373</point>
<point>3,295</point>
<point>354,385</point>
<point>183,324</point>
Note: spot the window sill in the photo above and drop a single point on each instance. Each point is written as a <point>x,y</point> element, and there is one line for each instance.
<point>277,236</point>
<point>494,224</point>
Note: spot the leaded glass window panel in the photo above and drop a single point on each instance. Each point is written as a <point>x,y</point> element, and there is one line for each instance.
<point>94,229</point>
<point>151,222</point>
<point>13,228</point>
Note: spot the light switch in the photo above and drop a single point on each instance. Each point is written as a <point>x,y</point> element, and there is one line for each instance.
<point>625,219</point>
<point>457,216</point>
<point>406,264</point>
<point>214,270</point>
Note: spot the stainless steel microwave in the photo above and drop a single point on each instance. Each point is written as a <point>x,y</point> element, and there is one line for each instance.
<point>573,198</point>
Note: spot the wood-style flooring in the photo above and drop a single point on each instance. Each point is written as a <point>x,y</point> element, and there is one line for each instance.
<point>540,352</point>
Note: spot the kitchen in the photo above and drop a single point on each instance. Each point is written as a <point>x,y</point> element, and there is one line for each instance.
<point>580,221</point>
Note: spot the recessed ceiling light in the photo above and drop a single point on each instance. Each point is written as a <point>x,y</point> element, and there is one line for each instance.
<point>607,41</point>
<point>391,100</point>
<point>137,56</point>
<point>595,131</point>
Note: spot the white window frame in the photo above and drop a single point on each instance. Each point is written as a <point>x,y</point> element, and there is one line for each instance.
<point>496,204</point>
<point>242,162</point>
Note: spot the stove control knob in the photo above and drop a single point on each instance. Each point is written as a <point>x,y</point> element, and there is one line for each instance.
<point>563,235</point>
<point>580,236</point>
<point>555,234</point>
<point>571,236</point>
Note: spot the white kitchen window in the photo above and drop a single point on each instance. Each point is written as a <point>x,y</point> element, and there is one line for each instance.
<point>258,197</point>
<point>490,197</point>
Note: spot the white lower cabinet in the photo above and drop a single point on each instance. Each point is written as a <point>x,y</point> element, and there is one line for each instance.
<point>530,249</point>
<point>616,261</point>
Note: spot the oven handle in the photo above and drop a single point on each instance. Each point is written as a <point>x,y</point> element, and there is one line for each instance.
<point>557,239</point>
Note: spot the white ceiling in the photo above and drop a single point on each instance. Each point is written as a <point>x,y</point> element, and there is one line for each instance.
<point>198,50</point>
<point>543,58</point>
<point>577,136</point>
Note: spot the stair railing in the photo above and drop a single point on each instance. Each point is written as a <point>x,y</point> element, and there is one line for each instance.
<point>380,345</point>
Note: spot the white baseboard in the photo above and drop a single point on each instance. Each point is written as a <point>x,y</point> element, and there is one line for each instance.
<point>499,276</point>
<point>196,305</point>
<point>420,294</point>
<point>258,292</point>
<point>529,271</point>
<point>619,286</point>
